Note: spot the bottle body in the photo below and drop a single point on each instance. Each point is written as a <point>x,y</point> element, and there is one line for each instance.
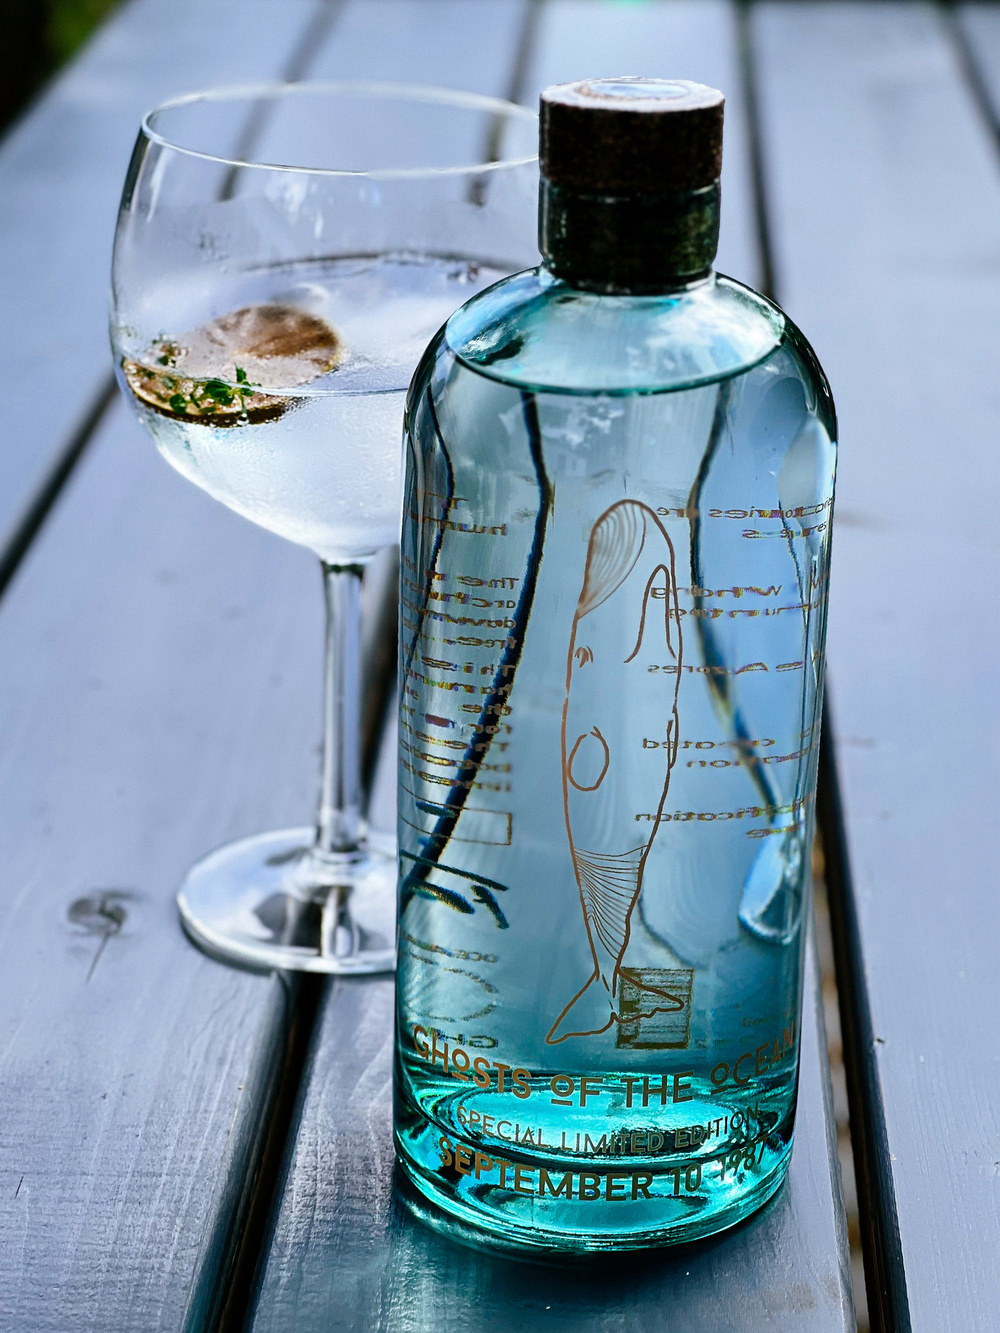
<point>614,573</point>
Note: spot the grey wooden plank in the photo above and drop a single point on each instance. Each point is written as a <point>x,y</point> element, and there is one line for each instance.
<point>347,1256</point>
<point>885,196</point>
<point>981,25</point>
<point>160,667</point>
<point>677,39</point>
<point>150,713</point>
<point>465,44</point>
<point>61,174</point>
<point>134,1072</point>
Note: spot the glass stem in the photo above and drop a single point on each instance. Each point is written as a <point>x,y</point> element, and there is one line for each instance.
<point>338,822</point>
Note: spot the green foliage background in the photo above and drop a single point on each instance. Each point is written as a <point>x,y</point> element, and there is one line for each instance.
<point>70,23</point>
<point>36,37</point>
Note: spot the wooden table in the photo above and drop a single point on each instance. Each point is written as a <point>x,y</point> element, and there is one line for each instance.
<point>186,1146</point>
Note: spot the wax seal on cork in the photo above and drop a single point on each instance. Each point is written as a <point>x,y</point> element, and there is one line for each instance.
<point>630,171</point>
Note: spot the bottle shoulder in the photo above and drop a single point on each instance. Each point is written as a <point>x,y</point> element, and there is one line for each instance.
<point>533,331</point>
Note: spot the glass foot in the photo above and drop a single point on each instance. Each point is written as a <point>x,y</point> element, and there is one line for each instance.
<point>272,901</point>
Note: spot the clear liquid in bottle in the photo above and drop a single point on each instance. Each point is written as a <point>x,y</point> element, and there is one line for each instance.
<point>614,576</point>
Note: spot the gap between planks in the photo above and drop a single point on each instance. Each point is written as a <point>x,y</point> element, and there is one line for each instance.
<point>235,1298</point>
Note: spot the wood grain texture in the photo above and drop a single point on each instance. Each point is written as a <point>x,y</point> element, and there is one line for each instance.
<point>981,25</point>
<point>138,638</point>
<point>467,44</point>
<point>159,694</point>
<point>347,1255</point>
<point>885,195</point>
<point>61,173</point>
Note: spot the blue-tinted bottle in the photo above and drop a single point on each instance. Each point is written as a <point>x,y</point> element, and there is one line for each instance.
<point>616,540</point>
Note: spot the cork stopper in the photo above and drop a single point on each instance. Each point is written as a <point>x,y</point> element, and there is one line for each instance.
<point>631,135</point>
<point>629,198</point>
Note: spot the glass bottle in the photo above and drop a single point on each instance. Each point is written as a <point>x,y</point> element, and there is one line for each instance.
<point>616,541</point>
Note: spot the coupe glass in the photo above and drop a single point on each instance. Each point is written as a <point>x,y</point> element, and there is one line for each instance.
<point>283,255</point>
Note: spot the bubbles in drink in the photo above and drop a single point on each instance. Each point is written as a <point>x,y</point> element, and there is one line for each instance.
<point>288,406</point>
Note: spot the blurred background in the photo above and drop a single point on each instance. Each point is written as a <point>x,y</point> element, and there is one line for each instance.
<point>36,37</point>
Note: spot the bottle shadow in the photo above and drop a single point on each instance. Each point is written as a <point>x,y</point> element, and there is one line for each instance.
<point>447,1275</point>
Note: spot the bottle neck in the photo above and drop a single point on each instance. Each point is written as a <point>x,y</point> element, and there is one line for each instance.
<point>635,244</point>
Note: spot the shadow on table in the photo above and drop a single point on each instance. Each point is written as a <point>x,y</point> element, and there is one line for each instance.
<point>416,1279</point>
<point>347,1254</point>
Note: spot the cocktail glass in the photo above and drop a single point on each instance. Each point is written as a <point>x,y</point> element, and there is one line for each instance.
<point>283,255</point>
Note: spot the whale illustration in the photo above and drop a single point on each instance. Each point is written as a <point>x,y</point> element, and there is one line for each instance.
<point>628,601</point>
